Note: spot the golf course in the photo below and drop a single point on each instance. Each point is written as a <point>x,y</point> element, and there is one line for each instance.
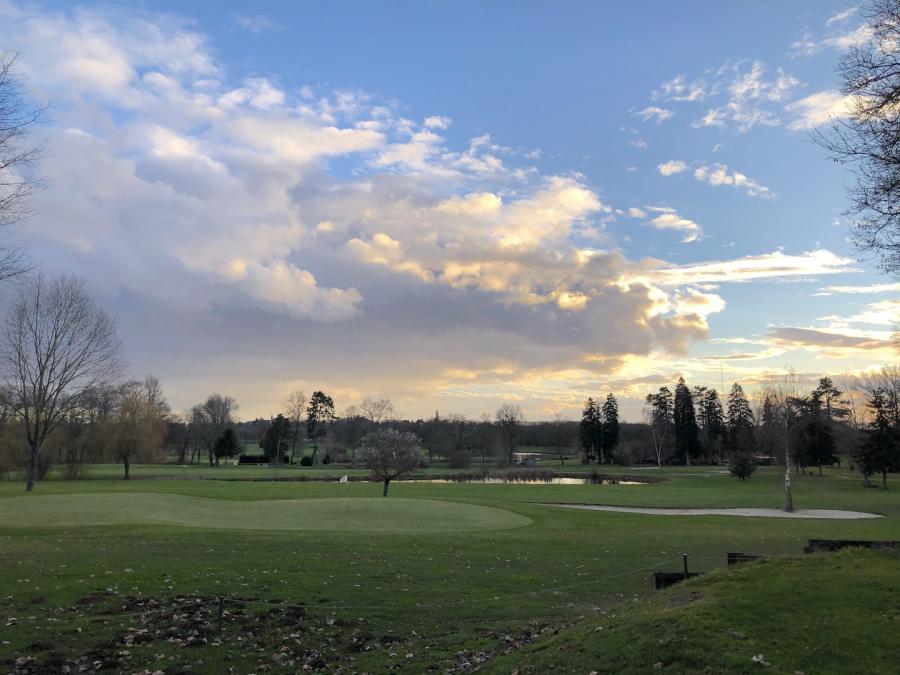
<point>248,575</point>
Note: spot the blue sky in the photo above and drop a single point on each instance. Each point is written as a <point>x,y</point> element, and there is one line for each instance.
<point>455,204</point>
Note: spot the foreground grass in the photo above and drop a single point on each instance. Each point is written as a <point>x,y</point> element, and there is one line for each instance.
<point>825,613</point>
<point>370,598</point>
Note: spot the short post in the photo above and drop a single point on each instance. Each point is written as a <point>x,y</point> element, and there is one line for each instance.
<point>684,560</point>
<point>221,613</point>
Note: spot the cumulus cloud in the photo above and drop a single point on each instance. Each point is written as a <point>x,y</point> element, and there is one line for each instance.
<point>718,174</point>
<point>437,122</point>
<point>254,234</point>
<point>671,167</point>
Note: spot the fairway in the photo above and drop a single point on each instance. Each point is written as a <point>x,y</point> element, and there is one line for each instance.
<point>331,514</point>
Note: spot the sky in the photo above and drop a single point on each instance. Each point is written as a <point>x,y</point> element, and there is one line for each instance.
<point>454,205</point>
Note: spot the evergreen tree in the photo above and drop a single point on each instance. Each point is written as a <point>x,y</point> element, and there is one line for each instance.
<point>227,445</point>
<point>590,430</point>
<point>319,413</point>
<point>817,445</point>
<point>710,420</point>
<point>610,440</point>
<point>687,441</point>
<point>277,441</point>
<point>660,413</point>
<point>740,421</point>
<point>771,431</point>
<point>830,397</point>
<point>880,452</point>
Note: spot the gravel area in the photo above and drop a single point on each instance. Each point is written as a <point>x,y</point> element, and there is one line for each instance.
<point>827,514</point>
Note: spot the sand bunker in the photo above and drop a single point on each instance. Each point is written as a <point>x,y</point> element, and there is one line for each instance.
<point>826,514</point>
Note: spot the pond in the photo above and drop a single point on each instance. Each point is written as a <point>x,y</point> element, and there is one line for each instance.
<point>561,480</point>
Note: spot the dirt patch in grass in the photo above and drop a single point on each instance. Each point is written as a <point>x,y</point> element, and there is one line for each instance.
<point>156,634</point>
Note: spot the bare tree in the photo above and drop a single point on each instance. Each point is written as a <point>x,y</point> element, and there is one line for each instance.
<point>294,408</point>
<point>867,139</point>
<point>17,119</point>
<point>212,417</point>
<point>139,426</point>
<point>509,420</point>
<point>783,395</point>
<point>57,345</point>
<point>377,409</point>
<point>390,453</point>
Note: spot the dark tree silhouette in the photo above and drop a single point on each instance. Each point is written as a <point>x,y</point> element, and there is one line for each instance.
<point>867,140</point>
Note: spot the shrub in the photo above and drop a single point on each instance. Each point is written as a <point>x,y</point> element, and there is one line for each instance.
<point>741,465</point>
<point>459,459</point>
<point>306,460</point>
<point>327,458</point>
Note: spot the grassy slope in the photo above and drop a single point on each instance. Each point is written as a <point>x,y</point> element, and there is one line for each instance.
<point>457,591</point>
<point>827,613</point>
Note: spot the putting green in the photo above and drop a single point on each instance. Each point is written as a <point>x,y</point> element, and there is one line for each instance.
<point>364,514</point>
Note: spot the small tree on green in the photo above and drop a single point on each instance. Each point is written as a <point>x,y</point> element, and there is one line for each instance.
<point>741,465</point>
<point>227,444</point>
<point>390,453</point>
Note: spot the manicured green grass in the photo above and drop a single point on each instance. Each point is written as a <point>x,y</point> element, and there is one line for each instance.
<point>338,514</point>
<point>835,613</point>
<point>378,593</point>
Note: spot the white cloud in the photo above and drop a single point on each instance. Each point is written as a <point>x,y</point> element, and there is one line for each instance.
<point>819,108</point>
<point>841,16</point>
<point>255,23</point>
<point>671,167</point>
<point>718,174</point>
<point>668,219</point>
<point>768,266</point>
<point>750,96</point>
<point>438,122</point>
<point>655,113</point>
<point>808,45</point>
<point>678,89</point>
<point>859,290</point>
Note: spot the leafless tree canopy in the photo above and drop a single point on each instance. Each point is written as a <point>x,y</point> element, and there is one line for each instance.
<point>17,183</point>
<point>509,420</point>
<point>390,453</point>
<point>868,140</point>
<point>57,346</point>
<point>377,409</point>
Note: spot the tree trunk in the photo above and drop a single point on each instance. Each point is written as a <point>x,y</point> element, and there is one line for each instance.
<point>820,468</point>
<point>31,470</point>
<point>386,484</point>
<point>127,467</point>
<point>788,492</point>
<point>687,457</point>
<point>884,478</point>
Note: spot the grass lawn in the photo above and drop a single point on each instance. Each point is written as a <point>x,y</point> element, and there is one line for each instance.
<point>127,574</point>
